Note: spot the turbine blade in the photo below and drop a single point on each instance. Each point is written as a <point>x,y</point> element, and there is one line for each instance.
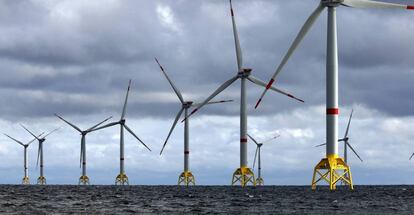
<point>353,151</point>
<point>375,4</point>
<point>320,145</point>
<point>172,128</point>
<point>302,33</point>
<point>38,156</point>
<point>171,83</point>
<point>93,127</point>
<point>411,156</point>
<point>349,123</point>
<point>219,90</point>
<point>105,126</point>
<point>133,134</point>
<point>52,132</point>
<point>29,132</point>
<point>263,84</point>
<point>126,101</point>
<point>14,139</point>
<point>67,122</point>
<point>239,54</point>
<point>214,102</point>
<point>80,157</point>
<point>253,139</point>
<point>255,156</point>
<point>275,137</point>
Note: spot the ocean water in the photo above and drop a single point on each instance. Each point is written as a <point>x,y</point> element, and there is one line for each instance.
<point>58,199</point>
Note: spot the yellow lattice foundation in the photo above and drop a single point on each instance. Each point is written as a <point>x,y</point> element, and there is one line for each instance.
<point>245,176</point>
<point>332,170</point>
<point>259,182</point>
<point>25,180</point>
<point>41,180</point>
<point>121,179</point>
<point>186,178</point>
<point>84,180</point>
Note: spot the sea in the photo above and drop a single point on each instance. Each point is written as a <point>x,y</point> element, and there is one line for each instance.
<point>65,199</point>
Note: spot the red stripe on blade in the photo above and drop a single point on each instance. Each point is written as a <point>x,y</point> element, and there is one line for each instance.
<point>270,83</point>
<point>410,7</point>
<point>332,111</point>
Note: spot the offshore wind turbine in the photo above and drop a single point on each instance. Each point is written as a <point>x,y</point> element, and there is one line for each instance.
<point>257,154</point>
<point>41,139</point>
<point>122,178</point>
<point>84,179</point>
<point>244,175</point>
<point>332,169</point>
<point>25,179</point>
<point>186,177</point>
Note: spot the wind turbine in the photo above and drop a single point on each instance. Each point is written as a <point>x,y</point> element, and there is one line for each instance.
<point>257,154</point>
<point>122,178</point>
<point>186,177</point>
<point>327,168</point>
<point>84,179</point>
<point>243,174</point>
<point>25,179</point>
<point>346,142</point>
<point>41,139</point>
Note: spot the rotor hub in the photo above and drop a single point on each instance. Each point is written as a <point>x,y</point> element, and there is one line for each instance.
<point>187,104</point>
<point>122,122</point>
<point>244,72</point>
<point>331,3</point>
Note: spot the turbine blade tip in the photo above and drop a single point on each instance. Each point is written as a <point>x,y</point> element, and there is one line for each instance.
<point>257,104</point>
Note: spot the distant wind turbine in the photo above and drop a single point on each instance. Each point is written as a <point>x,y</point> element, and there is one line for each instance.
<point>186,177</point>
<point>257,154</point>
<point>41,139</point>
<point>84,179</point>
<point>122,178</point>
<point>25,179</point>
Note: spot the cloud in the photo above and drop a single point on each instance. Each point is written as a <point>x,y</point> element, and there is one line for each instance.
<point>75,58</point>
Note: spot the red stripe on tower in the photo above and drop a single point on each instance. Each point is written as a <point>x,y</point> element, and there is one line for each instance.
<point>122,159</point>
<point>410,7</point>
<point>243,140</point>
<point>186,152</point>
<point>332,111</point>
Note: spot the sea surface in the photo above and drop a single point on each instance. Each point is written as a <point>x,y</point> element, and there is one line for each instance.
<point>58,199</point>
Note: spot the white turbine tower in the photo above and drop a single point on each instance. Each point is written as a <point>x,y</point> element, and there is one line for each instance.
<point>244,174</point>
<point>25,179</point>
<point>257,154</point>
<point>330,168</point>
<point>41,139</point>
<point>122,178</point>
<point>84,179</point>
<point>186,177</point>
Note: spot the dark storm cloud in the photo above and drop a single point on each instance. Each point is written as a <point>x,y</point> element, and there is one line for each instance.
<point>80,51</point>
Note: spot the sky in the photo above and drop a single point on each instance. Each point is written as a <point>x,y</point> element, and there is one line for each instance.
<point>75,58</point>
